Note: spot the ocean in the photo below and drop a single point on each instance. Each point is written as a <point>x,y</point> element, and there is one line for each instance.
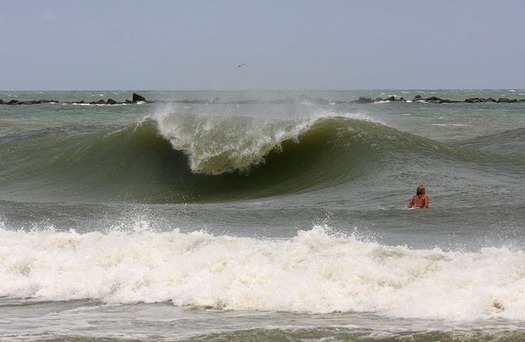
<point>262,216</point>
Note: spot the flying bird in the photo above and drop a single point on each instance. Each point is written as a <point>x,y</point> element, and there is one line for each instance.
<point>240,65</point>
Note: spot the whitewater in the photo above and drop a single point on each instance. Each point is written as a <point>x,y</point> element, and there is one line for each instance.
<point>327,272</point>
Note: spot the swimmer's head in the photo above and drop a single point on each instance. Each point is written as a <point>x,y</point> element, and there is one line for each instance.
<point>420,190</point>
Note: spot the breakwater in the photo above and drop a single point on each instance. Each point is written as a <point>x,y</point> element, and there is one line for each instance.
<point>139,99</point>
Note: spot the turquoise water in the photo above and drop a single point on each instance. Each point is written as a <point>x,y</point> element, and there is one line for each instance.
<point>262,215</point>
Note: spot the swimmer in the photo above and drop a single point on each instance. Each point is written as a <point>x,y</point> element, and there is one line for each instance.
<point>420,200</point>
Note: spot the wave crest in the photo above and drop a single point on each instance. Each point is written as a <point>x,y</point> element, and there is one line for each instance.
<point>217,145</point>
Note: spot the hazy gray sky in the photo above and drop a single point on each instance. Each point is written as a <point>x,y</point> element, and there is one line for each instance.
<point>285,44</point>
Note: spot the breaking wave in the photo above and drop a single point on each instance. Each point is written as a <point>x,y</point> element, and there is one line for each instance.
<point>317,271</point>
<point>187,157</point>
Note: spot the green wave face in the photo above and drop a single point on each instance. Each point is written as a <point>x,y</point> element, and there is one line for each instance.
<point>191,158</point>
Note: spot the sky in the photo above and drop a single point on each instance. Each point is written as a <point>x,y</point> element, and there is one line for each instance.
<point>285,44</point>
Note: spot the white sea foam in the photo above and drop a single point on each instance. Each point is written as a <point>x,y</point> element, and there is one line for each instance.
<point>316,272</point>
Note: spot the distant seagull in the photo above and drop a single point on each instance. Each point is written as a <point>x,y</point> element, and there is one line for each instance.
<point>240,65</point>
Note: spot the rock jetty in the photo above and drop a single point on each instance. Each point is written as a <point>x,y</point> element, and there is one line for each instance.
<point>137,98</point>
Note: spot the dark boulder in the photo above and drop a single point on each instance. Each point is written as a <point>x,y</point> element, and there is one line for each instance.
<point>434,99</point>
<point>473,100</point>
<point>13,102</point>
<point>479,100</point>
<point>1,101</point>
<point>111,102</point>
<point>138,98</point>
<point>98,102</point>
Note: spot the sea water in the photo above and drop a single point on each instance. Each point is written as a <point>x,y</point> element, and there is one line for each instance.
<point>262,216</point>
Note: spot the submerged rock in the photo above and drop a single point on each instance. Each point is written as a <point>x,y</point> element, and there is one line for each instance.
<point>506,100</point>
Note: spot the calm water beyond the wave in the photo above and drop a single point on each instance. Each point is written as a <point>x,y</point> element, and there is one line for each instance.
<point>270,221</point>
